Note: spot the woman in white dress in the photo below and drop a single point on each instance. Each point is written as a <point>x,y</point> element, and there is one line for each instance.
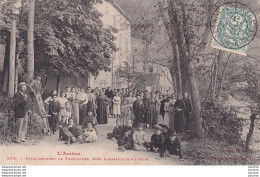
<point>75,106</point>
<point>116,105</point>
<point>166,120</point>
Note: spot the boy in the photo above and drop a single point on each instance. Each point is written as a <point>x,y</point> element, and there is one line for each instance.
<point>54,110</point>
<point>126,142</point>
<point>66,113</point>
<point>90,118</point>
<point>128,125</point>
<point>117,132</point>
<point>139,138</point>
<point>157,140</point>
<point>173,145</point>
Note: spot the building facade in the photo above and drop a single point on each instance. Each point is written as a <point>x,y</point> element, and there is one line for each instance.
<point>114,16</point>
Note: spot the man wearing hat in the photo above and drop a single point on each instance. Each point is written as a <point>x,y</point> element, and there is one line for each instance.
<point>173,145</point>
<point>157,140</point>
<point>21,111</point>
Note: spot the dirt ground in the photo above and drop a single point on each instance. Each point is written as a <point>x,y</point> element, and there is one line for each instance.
<point>103,149</point>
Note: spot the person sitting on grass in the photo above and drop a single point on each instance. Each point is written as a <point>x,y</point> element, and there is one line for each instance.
<point>174,146</point>
<point>69,132</point>
<point>157,140</point>
<point>126,142</point>
<point>117,132</point>
<point>89,134</point>
<point>139,138</point>
<point>165,131</point>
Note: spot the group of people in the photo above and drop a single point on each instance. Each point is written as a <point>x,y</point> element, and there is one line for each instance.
<point>163,141</point>
<point>94,106</point>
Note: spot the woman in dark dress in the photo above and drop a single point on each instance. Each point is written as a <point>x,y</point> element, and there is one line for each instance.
<point>101,108</point>
<point>138,110</point>
<point>147,110</point>
<point>180,121</point>
<point>153,113</point>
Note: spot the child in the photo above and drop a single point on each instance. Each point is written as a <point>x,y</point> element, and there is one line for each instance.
<point>157,140</point>
<point>139,138</point>
<point>173,145</point>
<point>54,110</point>
<point>89,134</point>
<point>66,113</point>
<point>126,142</point>
<point>117,132</point>
<point>90,118</point>
<point>127,126</point>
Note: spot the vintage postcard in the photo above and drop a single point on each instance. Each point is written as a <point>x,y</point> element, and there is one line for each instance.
<point>129,82</point>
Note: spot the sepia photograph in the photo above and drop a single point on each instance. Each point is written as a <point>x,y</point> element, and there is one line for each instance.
<point>129,82</point>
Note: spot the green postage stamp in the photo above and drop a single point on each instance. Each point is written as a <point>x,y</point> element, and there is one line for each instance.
<point>235,28</point>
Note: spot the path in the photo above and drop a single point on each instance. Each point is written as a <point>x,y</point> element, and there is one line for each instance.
<point>108,148</point>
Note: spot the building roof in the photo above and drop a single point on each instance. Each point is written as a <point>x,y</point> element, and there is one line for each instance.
<point>116,6</point>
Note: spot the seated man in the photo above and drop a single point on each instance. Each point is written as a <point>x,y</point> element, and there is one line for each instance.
<point>69,132</point>
<point>173,145</point>
<point>117,132</point>
<point>157,141</point>
<point>126,142</point>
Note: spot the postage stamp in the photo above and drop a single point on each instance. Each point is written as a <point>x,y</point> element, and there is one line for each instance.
<point>235,28</point>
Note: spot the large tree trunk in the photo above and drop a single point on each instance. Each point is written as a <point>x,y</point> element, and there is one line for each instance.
<point>222,76</point>
<point>11,82</point>
<point>251,130</point>
<point>177,74</point>
<point>4,79</point>
<point>190,70</point>
<point>173,74</point>
<point>30,42</point>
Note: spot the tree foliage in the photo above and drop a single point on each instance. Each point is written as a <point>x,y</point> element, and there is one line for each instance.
<point>70,38</point>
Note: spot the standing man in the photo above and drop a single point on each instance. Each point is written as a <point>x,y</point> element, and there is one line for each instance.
<point>187,110</point>
<point>36,88</point>
<point>21,111</point>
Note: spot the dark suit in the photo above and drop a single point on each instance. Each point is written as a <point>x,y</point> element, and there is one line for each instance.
<point>21,115</point>
<point>20,105</point>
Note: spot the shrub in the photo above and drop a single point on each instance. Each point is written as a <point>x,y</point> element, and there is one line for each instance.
<point>221,122</point>
<point>7,122</point>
